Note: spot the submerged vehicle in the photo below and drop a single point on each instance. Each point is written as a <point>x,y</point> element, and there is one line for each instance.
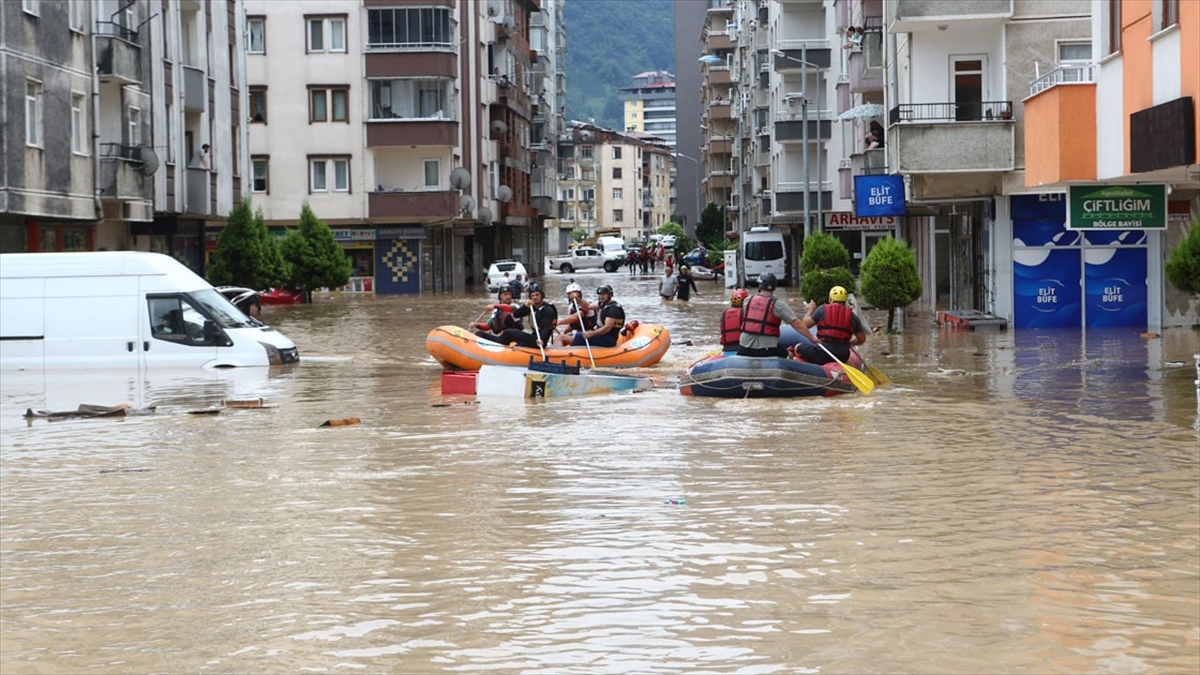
<point>117,309</point>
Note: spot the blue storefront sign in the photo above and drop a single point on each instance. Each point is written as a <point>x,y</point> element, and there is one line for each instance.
<point>1067,278</point>
<point>881,195</point>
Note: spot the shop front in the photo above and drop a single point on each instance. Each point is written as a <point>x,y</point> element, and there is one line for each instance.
<point>359,245</point>
<point>398,260</point>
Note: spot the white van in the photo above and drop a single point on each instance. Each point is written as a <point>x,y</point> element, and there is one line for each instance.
<point>123,309</point>
<point>762,250</point>
<point>613,248</point>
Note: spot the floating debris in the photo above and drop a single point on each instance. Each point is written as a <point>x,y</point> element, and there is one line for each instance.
<point>343,422</point>
<point>87,411</point>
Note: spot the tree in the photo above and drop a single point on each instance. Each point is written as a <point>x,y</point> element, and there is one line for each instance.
<point>246,255</point>
<point>578,235</point>
<point>315,258</point>
<point>671,228</point>
<point>890,278</point>
<point>711,228</point>
<point>1183,264</point>
<point>825,263</point>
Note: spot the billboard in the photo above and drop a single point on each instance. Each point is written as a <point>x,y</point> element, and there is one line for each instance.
<point>1119,207</point>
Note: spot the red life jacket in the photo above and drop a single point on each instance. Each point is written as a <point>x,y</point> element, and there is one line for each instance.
<point>758,316</point>
<point>837,325</point>
<point>731,327</point>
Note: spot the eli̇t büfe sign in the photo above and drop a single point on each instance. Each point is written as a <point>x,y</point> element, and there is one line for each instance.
<point>1117,207</point>
<point>878,195</point>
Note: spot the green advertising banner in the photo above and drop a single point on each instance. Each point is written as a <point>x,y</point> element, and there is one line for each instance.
<point>1118,207</point>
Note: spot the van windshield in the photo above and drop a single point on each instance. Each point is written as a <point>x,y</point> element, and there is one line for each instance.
<point>221,310</point>
<point>764,250</point>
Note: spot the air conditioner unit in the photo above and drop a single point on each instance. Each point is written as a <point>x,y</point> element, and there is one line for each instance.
<point>843,164</point>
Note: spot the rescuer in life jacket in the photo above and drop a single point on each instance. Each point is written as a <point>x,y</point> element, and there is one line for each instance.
<point>544,317</point>
<point>580,314</point>
<point>500,319</point>
<point>611,316</point>
<point>838,329</point>
<point>762,315</point>
<point>731,320</point>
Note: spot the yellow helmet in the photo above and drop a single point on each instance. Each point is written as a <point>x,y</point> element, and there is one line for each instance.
<point>837,294</point>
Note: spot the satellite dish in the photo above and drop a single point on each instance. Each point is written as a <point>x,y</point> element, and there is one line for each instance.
<point>587,135</point>
<point>509,22</point>
<point>494,9</point>
<point>499,127</point>
<point>149,160</point>
<point>460,178</point>
<point>484,215</point>
<point>504,193</point>
<point>466,204</point>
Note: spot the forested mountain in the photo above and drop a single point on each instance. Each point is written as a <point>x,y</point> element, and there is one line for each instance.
<point>608,42</point>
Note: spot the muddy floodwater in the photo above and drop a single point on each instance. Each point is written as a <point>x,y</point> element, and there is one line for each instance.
<point>1019,502</point>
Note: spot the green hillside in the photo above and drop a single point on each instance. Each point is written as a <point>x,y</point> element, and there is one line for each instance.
<point>608,42</point>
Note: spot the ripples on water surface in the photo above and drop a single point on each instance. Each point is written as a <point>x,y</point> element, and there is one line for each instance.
<point>1016,503</point>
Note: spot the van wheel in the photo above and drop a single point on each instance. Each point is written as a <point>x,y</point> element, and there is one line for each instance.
<point>565,268</point>
<point>610,267</point>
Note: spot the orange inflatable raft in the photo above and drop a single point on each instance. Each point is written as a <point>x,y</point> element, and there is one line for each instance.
<point>458,348</point>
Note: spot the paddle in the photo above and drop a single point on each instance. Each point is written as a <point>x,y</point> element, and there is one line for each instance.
<point>579,314</point>
<point>860,381</point>
<point>537,331</point>
<point>472,324</point>
<point>877,376</point>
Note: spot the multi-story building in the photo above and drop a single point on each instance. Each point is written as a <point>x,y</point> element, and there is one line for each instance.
<point>1117,111</point>
<point>611,181</point>
<point>650,104</point>
<point>140,89</point>
<point>689,21</point>
<point>548,39</point>
<point>414,123</point>
<point>718,126</point>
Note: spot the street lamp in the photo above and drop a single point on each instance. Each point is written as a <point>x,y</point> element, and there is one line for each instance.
<point>804,117</point>
<point>697,163</point>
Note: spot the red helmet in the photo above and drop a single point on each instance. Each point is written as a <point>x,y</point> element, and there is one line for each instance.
<point>738,296</point>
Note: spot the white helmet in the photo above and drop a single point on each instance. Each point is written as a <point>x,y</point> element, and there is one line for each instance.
<point>574,288</point>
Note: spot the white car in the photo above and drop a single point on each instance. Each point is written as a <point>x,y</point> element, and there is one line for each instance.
<point>515,271</point>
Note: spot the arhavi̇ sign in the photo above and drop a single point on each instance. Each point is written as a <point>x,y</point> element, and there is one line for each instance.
<point>878,195</point>
<point>840,220</point>
<point>1118,207</point>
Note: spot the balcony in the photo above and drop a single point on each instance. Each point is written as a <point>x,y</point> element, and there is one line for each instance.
<point>789,127</point>
<point>195,198</point>
<point>719,40</point>
<point>420,133</point>
<point>866,71</point>
<point>906,16</point>
<point>121,172</point>
<point>789,197</point>
<point>411,206</point>
<point>953,138</point>
<point>720,146</point>
<point>1060,130</point>
<point>720,111</point>
<point>194,93</point>
<point>118,56</point>
<point>866,163</point>
<point>796,52</point>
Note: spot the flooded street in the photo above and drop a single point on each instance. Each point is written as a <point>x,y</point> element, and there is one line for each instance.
<point>1014,502</point>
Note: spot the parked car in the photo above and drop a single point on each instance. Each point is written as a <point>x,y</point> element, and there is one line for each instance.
<point>497,270</point>
<point>246,299</point>
<point>695,257</point>
<point>583,258</point>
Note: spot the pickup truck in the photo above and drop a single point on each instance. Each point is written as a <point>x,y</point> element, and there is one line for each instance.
<point>583,258</point>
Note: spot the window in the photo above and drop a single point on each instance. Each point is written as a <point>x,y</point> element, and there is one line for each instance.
<point>433,173</point>
<point>585,152</point>
<point>1114,26</point>
<point>78,124</point>
<point>30,7</point>
<point>1166,14</point>
<point>326,33</point>
<point>33,114</point>
<point>618,215</point>
<point>967,87</point>
<point>421,98</point>
<point>616,173</point>
<point>328,103</point>
<point>616,152</point>
<point>327,173</point>
<point>618,194</point>
<point>258,104</point>
<point>256,35</point>
<point>258,175</point>
<point>135,128</point>
<point>77,15</point>
<point>568,195</point>
<point>397,28</point>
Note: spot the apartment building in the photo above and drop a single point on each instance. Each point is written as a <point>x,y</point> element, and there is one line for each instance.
<point>650,104</point>
<point>413,126</point>
<point>118,100</point>
<point>690,16</point>
<point>718,125</point>
<point>1117,115</point>
<point>612,181</point>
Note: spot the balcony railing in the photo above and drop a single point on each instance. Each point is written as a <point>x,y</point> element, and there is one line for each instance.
<point>986,111</point>
<point>1084,73</point>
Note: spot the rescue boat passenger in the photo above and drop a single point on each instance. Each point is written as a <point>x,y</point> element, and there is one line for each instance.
<point>610,319</point>
<point>838,329</point>
<point>762,315</point>
<point>731,320</point>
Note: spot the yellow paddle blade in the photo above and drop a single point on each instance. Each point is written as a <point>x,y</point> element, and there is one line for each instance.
<point>878,376</point>
<point>864,383</point>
